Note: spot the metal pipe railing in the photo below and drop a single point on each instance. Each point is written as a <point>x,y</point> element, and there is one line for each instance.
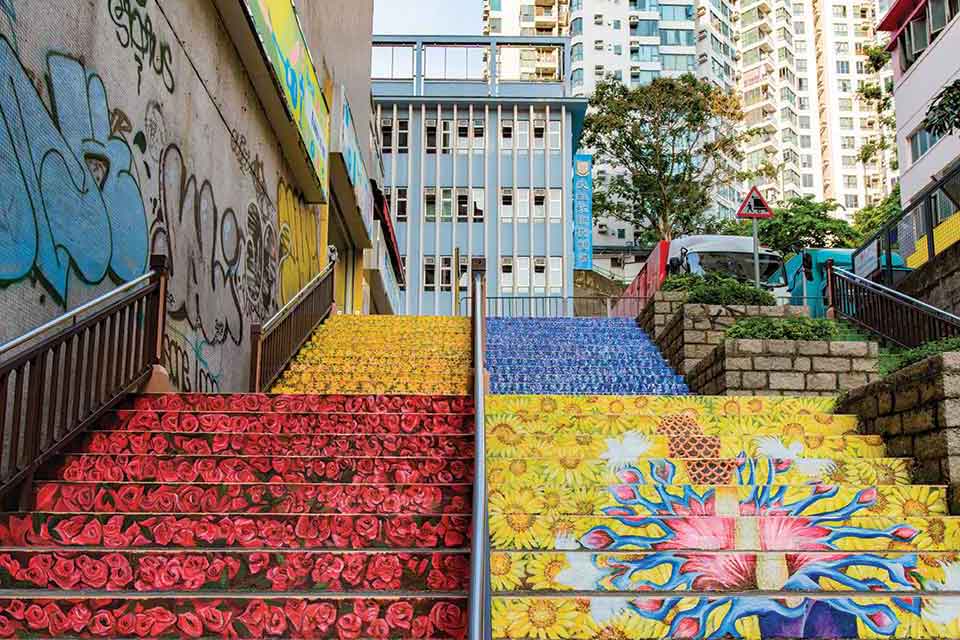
<point>479,544</point>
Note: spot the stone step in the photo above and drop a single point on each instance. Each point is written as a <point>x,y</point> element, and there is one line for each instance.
<point>300,403</point>
<point>66,497</point>
<point>724,500</point>
<point>227,615</point>
<point>623,449</point>
<point>260,444</point>
<point>751,617</point>
<point>41,529</point>
<point>586,471</point>
<point>630,532</point>
<point>289,423</point>
<point>96,467</point>
<point>719,572</point>
<point>237,570</point>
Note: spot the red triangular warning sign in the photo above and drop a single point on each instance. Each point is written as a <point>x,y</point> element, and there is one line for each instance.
<point>754,206</point>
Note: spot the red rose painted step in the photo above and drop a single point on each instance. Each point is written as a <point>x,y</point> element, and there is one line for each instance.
<point>255,444</point>
<point>231,617</point>
<point>199,570</point>
<point>181,468</point>
<point>289,423</point>
<point>299,403</point>
<point>62,497</point>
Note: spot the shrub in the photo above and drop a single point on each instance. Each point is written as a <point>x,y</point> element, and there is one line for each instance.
<point>717,289</point>
<point>783,329</point>
<point>898,361</point>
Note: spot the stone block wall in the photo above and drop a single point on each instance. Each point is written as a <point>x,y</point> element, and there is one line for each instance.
<point>784,367</point>
<point>658,312</point>
<point>695,329</point>
<point>917,411</point>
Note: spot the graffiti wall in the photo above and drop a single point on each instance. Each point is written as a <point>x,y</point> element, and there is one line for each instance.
<point>133,130</point>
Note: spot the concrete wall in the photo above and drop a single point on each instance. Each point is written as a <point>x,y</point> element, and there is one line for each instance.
<point>938,281</point>
<point>114,149</point>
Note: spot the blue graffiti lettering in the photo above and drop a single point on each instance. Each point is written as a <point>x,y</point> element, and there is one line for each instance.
<point>69,200</point>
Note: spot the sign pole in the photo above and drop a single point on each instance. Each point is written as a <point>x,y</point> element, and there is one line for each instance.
<point>756,254</point>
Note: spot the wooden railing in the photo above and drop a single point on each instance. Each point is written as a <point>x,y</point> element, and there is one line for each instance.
<point>887,313</point>
<point>277,341</point>
<point>60,378</point>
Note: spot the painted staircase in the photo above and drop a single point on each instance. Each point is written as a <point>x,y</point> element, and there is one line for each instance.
<point>340,514</point>
<point>576,356</point>
<point>649,517</point>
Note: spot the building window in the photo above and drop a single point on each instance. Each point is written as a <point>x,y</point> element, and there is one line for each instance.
<point>576,78</point>
<point>446,136</point>
<point>506,273</point>
<point>576,27</point>
<point>851,201</point>
<point>540,205</point>
<point>677,37</point>
<point>479,135</point>
<point>555,134</point>
<point>506,205</point>
<point>403,263</point>
<point>556,204</point>
<point>540,275</point>
<point>401,204</point>
<point>463,205</point>
<point>539,134</point>
<point>556,275</point>
<point>576,52</point>
<point>598,18</point>
<point>621,234</point>
<point>429,273</point>
<point>839,11</point>
<point>846,123</point>
<point>463,136</point>
<point>446,205</point>
<point>430,131</point>
<point>463,273</point>
<point>478,205</point>
<point>920,143</point>
<point>386,134</point>
<point>523,135</point>
<point>850,182</point>
<point>598,45</point>
<point>430,204</point>
<point>843,66</point>
<point>446,273</point>
<point>403,136</point>
<point>846,104</point>
<point>523,205</point>
<point>807,181</point>
<point>676,12</point>
<point>848,142</point>
<point>848,161</point>
<point>523,274</point>
<point>506,134</point>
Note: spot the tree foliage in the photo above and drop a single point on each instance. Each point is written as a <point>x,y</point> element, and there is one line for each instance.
<point>871,219</point>
<point>943,116</point>
<point>802,222</point>
<point>877,57</point>
<point>672,141</point>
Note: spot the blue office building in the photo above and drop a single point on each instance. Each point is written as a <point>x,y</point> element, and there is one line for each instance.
<point>479,136</point>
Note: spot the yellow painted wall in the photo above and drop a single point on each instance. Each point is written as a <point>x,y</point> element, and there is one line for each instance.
<point>300,247</point>
<point>944,235</point>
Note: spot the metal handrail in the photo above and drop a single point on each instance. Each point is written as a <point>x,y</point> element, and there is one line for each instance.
<point>291,305</point>
<point>479,576</point>
<point>76,313</point>
<point>887,313</point>
<point>898,295</point>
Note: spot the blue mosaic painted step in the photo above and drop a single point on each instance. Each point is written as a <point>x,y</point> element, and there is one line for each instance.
<point>581,356</point>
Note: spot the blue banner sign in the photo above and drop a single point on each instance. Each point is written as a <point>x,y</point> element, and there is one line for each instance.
<point>583,212</point>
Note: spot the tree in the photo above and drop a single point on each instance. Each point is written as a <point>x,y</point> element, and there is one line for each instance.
<point>671,142</point>
<point>943,116</point>
<point>871,219</point>
<point>802,222</point>
<point>880,99</point>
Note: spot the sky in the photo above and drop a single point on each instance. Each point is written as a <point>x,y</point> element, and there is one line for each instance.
<point>428,17</point>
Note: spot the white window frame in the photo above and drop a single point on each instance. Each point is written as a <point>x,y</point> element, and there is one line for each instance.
<point>429,266</point>
<point>523,274</point>
<point>427,192</point>
<point>522,207</point>
<point>506,142</point>
<point>540,275</point>
<point>523,135</point>
<point>506,210</point>
<point>556,134</point>
<point>477,205</point>
<point>446,273</point>
<point>446,204</point>
<point>402,197</point>
<point>506,274</point>
<point>539,211</point>
<point>556,205</point>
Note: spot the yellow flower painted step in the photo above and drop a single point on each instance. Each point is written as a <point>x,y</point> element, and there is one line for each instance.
<point>727,500</point>
<point>730,572</point>
<point>659,405</point>
<point>525,531</point>
<point>624,448</point>
<point>508,425</point>
<point>386,385</point>
<point>754,617</point>
<point>584,471</point>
